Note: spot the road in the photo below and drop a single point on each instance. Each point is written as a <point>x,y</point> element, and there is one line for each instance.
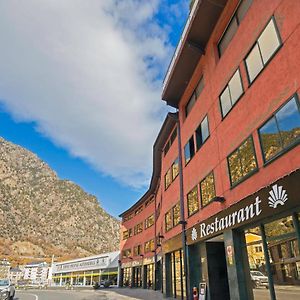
<point>130,294</point>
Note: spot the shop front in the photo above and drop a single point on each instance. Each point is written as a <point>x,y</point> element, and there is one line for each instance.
<point>251,249</point>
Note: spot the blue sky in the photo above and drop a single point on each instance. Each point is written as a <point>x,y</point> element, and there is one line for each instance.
<point>80,86</point>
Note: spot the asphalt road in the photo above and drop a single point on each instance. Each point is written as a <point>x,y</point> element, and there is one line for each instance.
<point>60,295</point>
<point>134,294</point>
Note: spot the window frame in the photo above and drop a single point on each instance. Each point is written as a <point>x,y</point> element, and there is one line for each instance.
<point>273,115</point>
<point>187,201</point>
<point>234,15</point>
<point>194,96</point>
<point>211,200</point>
<point>256,43</point>
<point>191,156</point>
<point>237,100</point>
<point>233,185</point>
<point>199,126</point>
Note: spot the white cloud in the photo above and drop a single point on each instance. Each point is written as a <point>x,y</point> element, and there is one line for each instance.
<point>87,73</point>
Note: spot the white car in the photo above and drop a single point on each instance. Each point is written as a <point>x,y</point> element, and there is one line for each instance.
<point>7,290</point>
<point>259,279</point>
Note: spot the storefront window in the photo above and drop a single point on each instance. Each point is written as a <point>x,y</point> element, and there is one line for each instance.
<point>178,277</point>
<point>150,275</point>
<point>284,260</point>
<point>127,277</point>
<point>257,264</point>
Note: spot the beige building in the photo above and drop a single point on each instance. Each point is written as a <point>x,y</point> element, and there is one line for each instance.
<point>4,268</point>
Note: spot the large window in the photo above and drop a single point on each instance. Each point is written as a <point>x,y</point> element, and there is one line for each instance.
<point>281,131</point>
<point>149,221</point>
<point>138,228</point>
<point>233,25</point>
<point>231,93</point>
<point>172,217</point>
<point>168,221</point>
<point>127,234</point>
<point>172,173</point>
<point>189,150</point>
<point>149,246</point>
<point>137,250</point>
<point>242,162</point>
<point>194,96</point>
<point>126,253</point>
<point>263,50</point>
<point>192,201</point>
<point>170,141</point>
<point>202,132</point>
<point>207,189</point>
<point>175,169</point>
<point>168,178</point>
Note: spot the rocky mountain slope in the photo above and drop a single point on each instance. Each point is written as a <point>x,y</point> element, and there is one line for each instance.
<point>41,215</point>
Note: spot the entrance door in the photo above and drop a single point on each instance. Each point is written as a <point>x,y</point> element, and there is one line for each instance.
<point>217,271</point>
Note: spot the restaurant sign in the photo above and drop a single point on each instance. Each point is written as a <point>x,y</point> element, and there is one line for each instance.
<point>276,198</point>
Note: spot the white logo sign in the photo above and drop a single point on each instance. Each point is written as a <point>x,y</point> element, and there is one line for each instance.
<point>194,234</point>
<point>277,196</point>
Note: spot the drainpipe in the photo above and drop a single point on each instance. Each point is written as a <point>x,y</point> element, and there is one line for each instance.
<point>182,218</point>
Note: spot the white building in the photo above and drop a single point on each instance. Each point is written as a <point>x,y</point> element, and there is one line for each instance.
<point>86,271</point>
<point>15,275</point>
<point>36,273</point>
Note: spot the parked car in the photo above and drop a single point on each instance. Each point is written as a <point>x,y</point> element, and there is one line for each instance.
<point>259,279</point>
<point>7,290</point>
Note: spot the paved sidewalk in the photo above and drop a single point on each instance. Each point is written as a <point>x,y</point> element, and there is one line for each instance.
<point>133,294</point>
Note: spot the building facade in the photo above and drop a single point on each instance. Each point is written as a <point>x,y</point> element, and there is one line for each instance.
<point>16,275</point>
<point>4,268</point>
<point>225,182</point>
<point>86,271</point>
<point>36,273</point>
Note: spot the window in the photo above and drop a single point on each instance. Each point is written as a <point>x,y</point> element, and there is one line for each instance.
<point>140,209</point>
<point>175,169</point>
<point>149,246</point>
<point>263,50</point>
<point>192,199</point>
<point>137,250</point>
<point>170,141</point>
<point>202,133</point>
<point>207,189</point>
<point>232,92</point>
<point>148,202</point>
<point>127,218</point>
<point>168,221</point>
<point>126,253</point>
<point>233,25</point>
<point>168,178</point>
<point>176,214</point>
<point>149,221</point>
<point>281,131</point>
<point>127,234</point>
<point>189,150</point>
<point>194,96</point>
<point>138,228</point>
<point>242,162</point>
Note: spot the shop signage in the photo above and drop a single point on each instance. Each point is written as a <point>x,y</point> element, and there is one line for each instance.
<point>278,197</point>
<point>90,264</point>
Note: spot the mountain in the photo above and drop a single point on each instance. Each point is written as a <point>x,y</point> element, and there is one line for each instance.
<point>42,215</point>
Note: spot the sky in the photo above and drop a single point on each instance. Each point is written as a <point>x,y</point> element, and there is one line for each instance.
<point>80,86</point>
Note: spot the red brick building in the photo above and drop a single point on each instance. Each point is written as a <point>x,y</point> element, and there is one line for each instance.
<point>234,79</point>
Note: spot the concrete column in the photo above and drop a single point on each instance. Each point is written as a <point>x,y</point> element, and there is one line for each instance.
<point>71,281</point>
<point>84,279</point>
<point>237,266</point>
<point>60,280</point>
